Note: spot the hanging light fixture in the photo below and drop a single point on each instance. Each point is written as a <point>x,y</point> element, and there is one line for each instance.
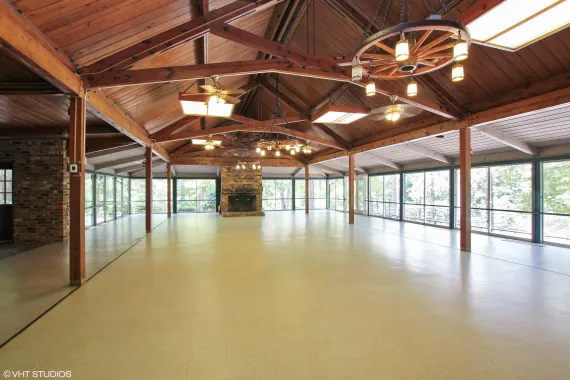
<point>237,166</point>
<point>298,148</point>
<point>370,88</point>
<point>258,150</point>
<point>412,88</point>
<point>457,73</point>
<point>292,152</point>
<point>262,152</point>
<point>277,153</point>
<point>402,51</point>
<point>357,72</point>
<point>253,166</point>
<point>393,115</point>
<point>460,50</point>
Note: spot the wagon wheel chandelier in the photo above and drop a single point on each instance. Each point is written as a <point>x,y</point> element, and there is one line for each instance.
<point>411,47</point>
<point>275,142</point>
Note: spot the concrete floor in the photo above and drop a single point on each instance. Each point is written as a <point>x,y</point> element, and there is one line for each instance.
<point>295,297</point>
<point>33,281</point>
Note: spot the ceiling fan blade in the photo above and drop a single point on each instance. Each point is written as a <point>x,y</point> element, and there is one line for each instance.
<point>208,88</point>
<point>230,99</point>
<point>238,91</point>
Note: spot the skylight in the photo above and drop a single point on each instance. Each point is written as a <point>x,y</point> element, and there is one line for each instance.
<point>514,24</point>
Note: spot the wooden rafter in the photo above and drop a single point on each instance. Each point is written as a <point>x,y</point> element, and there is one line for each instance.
<point>187,31</point>
<point>229,161</point>
<point>185,123</point>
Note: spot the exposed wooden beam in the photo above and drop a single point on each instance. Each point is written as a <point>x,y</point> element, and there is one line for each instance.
<point>477,9</point>
<point>187,31</point>
<point>28,88</point>
<point>428,153</point>
<point>20,39</point>
<point>332,170</point>
<point>120,162</point>
<point>104,152</point>
<point>185,122</point>
<point>504,138</point>
<point>297,171</point>
<point>385,162</point>
<point>525,106</point>
<point>138,167</point>
<point>183,73</point>
<point>225,161</point>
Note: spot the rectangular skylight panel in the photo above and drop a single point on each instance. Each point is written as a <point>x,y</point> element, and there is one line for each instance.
<point>545,23</point>
<point>330,117</point>
<point>504,16</point>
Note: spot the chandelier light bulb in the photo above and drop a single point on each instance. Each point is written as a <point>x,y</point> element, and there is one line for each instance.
<point>237,166</point>
<point>287,147</point>
<point>402,49</point>
<point>292,152</point>
<point>460,51</point>
<point>412,88</point>
<point>357,72</point>
<point>298,148</point>
<point>253,166</point>
<point>243,166</point>
<point>269,147</point>
<point>457,73</point>
<point>370,88</point>
<point>278,153</point>
<point>263,152</point>
<point>258,150</point>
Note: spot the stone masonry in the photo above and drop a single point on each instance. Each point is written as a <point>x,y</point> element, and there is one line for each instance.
<point>41,189</point>
<point>235,181</point>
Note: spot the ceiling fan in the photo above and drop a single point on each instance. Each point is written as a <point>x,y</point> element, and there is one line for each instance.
<point>208,144</point>
<point>215,101</point>
<point>219,94</point>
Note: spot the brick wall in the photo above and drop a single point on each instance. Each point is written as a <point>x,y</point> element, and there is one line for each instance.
<point>41,189</point>
<point>241,181</point>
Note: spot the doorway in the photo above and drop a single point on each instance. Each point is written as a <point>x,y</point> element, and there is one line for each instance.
<point>6,208</point>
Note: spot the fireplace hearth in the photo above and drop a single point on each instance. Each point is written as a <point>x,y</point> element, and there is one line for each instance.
<point>242,203</point>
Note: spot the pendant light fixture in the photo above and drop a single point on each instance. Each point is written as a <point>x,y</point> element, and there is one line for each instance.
<point>402,49</point>
<point>460,50</point>
<point>370,88</point>
<point>457,73</point>
<point>357,71</point>
<point>277,153</point>
<point>412,89</point>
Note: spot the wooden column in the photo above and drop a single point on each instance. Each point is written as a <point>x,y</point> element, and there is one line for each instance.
<point>465,188</point>
<point>306,189</point>
<point>168,189</point>
<point>77,191</point>
<point>148,198</point>
<point>351,188</point>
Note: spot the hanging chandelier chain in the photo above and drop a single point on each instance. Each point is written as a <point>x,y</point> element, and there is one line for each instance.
<point>409,11</point>
<point>447,10</point>
<point>367,30</point>
<point>402,9</point>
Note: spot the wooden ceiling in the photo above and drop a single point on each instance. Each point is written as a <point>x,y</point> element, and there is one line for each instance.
<point>88,30</point>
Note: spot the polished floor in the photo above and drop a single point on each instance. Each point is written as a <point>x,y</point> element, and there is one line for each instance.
<point>33,281</point>
<point>294,297</point>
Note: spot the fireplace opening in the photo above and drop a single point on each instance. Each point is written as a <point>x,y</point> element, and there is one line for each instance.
<point>242,203</point>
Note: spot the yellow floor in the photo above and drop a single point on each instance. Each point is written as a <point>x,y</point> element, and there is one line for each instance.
<point>291,297</point>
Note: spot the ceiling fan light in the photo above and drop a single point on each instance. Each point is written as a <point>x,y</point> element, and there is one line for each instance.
<point>457,73</point>
<point>393,116</point>
<point>412,88</point>
<point>402,50</point>
<point>460,51</point>
<point>357,72</point>
<point>370,88</point>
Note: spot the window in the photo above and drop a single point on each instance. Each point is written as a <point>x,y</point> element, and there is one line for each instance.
<point>100,199</point>
<point>501,200</point>
<point>336,194</point>
<point>160,195</point>
<point>277,194</point>
<point>426,197</point>
<point>317,194</point>
<point>6,186</point>
<point>109,198</point>
<point>556,202</point>
<point>138,195</point>
<point>385,196</point>
<point>89,177</point>
<point>196,195</point>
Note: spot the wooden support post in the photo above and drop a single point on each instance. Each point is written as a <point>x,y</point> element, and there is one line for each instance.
<point>148,198</point>
<point>351,188</point>
<point>77,191</point>
<point>306,189</point>
<point>168,189</point>
<point>465,188</point>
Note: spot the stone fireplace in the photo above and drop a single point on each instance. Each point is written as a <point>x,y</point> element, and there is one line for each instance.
<point>241,192</point>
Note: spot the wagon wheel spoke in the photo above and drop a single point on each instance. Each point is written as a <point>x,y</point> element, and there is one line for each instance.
<point>378,57</point>
<point>438,48</point>
<point>438,56</point>
<point>425,63</point>
<point>381,68</point>
<point>422,40</point>
<point>393,71</point>
<point>385,48</point>
<point>435,42</point>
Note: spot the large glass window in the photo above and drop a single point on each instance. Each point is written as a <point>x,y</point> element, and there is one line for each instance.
<point>277,194</point>
<point>160,195</point>
<point>556,201</point>
<point>501,200</point>
<point>426,197</point>
<point>138,195</point>
<point>100,198</point>
<point>89,199</point>
<point>336,194</point>
<point>317,194</point>
<point>384,196</point>
<point>109,198</point>
<point>196,195</point>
